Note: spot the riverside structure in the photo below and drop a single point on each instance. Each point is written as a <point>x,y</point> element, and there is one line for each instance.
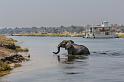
<point>103,30</point>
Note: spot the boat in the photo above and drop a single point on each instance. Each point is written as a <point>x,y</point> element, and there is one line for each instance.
<point>103,30</point>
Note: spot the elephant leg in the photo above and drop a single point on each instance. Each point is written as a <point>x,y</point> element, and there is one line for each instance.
<point>58,56</point>
<point>70,52</point>
<point>70,55</point>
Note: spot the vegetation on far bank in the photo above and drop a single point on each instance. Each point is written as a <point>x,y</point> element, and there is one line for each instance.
<point>58,29</point>
<point>50,35</point>
<point>120,35</point>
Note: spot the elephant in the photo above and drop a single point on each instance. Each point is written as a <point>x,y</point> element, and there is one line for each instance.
<point>72,48</point>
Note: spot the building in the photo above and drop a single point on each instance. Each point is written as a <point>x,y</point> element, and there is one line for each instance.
<point>103,30</point>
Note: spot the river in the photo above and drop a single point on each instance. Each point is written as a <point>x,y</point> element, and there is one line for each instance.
<point>105,64</point>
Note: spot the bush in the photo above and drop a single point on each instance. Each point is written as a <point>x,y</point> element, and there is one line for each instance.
<point>22,49</point>
<point>4,66</point>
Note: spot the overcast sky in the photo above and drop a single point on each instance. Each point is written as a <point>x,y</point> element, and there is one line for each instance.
<point>60,12</point>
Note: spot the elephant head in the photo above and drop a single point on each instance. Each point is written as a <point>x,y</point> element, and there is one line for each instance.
<point>64,44</point>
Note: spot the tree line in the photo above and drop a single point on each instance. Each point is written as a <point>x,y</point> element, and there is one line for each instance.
<point>61,29</point>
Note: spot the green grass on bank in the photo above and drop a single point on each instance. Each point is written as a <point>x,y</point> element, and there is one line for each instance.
<point>4,66</point>
<point>120,35</point>
<point>51,35</point>
<point>4,69</point>
<point>3,73</point>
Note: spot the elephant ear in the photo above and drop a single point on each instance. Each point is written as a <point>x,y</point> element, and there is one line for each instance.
<point>68,46</point>
<point>64,42</point>
<point>70,41</point>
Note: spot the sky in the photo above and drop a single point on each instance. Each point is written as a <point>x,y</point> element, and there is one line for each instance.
<point>28,13</point>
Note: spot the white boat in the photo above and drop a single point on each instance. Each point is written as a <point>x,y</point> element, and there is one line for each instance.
<point>100,31</point>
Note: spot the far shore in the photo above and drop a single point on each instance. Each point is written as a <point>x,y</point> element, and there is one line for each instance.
<point>120,35</point>
<point>50,35</point>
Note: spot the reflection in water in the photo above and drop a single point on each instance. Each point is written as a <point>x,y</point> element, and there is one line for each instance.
<point>74,57</point>
<point>73,67</point>
<point>70,59</point>
<point>72,70</point>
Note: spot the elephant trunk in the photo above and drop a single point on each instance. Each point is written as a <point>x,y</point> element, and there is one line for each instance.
<point>57,51</point>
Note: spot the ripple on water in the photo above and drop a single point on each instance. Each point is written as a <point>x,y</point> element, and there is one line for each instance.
<point>72,73</point>
<point>107,53</point>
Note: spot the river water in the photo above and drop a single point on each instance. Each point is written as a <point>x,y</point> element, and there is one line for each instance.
<point>105,64</point>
